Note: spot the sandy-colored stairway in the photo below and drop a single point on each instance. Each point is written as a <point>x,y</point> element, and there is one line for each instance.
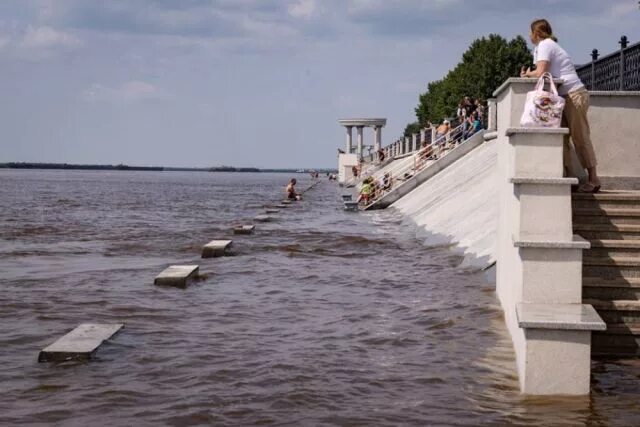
<point>610,220</point>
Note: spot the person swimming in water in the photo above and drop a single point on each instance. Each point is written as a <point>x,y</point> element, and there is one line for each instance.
<point>291,190</point>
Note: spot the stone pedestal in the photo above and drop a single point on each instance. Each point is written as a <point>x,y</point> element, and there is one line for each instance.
<point>539,267</point>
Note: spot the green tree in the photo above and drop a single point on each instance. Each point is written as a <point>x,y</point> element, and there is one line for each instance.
<point>412,128</point>
<point>486,64</point>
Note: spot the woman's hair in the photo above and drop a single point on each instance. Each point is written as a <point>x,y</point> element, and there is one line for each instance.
<point>542,29</point>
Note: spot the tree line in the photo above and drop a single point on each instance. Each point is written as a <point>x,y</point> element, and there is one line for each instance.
<point>485,65</point>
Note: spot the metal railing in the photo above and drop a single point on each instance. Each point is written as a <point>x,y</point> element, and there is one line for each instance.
<point>422,158</point>
<point>618,71</point>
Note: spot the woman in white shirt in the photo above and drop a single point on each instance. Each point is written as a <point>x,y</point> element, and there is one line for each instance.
<point>550,57</point>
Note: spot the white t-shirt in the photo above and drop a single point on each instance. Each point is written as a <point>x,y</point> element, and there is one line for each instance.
<point>560,65</point>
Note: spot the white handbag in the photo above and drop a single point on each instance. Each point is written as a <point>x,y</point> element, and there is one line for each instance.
<point>542,108</point>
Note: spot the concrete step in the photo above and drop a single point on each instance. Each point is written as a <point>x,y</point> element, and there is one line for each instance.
<point>607,215</point>
<point>616,311</point>
<point>607,231</point>
<point>611,267</point>
<point>607,199</point>
<point>613,248</point>
<point>608,290</point>
<point>619,340</point>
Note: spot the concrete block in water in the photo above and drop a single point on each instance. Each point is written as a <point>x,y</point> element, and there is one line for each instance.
<point>79,344</point>
<point>271,211</point>
<point>282,206</point>
<point>351,206</point>
<point>347,197</point>
<point>244,229</point>
<point>263,218</point>
<point>216,248</point>
<point>286,202</point>
<point>177,275</point>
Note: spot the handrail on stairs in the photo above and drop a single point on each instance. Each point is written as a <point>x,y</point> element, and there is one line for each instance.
<point>421,159</point>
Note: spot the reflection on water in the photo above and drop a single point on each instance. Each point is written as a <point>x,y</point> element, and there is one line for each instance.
<point>321,317</point>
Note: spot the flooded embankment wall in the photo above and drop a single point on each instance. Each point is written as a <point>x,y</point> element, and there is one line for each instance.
<point>459,207</point>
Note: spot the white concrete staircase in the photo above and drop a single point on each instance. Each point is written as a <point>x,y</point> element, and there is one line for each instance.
<point>611,268</point>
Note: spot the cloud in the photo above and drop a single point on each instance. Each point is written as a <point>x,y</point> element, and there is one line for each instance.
<point>46,38</point>
<point>403,18</point>
<point>34,43</point>
<point>130,91</point>
<point>302,9</point>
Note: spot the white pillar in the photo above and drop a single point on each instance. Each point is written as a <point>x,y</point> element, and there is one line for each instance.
<point>433,134</point>
<point>360,142</point>
<point>406,147</point>
<point>414,147</point>
<point>349,139</point>
<point>378,141</point>
<point>423,136</point>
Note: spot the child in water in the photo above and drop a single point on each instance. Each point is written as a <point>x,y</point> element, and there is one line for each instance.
<point>291,190</point>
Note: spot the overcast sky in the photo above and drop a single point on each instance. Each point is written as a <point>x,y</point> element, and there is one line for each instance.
<point>244,82</point>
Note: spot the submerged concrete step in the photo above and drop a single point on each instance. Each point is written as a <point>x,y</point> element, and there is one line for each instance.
<point>607,231</point>
<point>79,344</point>
<point>607,215</point>
<point>611,267</point>
<point>613,248</point>
<point>620,339</point>
<point>612,289</point>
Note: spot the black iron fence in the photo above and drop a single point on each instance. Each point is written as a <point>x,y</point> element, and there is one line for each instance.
<point>617,71</point>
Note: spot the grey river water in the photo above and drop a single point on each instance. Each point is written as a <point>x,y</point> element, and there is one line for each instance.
<point>322,317</point>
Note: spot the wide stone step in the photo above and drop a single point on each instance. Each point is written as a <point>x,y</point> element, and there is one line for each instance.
<point>607,216</point>
<point>611,267</point>
<point>616,311</point>
<point>613,248</point>
<point>607,231</point>
<point>608,290</point>
<point>607,199</point>
<point>620,339</point>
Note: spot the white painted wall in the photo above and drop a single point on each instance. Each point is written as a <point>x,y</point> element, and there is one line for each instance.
<point>345,163</point>
<point>460,206</point>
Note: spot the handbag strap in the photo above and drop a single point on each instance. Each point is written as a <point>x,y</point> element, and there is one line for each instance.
<point>552,85</point>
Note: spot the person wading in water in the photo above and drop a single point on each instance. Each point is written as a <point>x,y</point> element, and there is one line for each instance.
<point>291,190</point>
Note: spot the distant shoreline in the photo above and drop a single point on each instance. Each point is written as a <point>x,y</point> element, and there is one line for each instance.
<point>66,166</point>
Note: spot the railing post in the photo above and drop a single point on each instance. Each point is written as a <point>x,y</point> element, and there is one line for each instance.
<point>492,119</point>
<point>594,58</point>
<point>623,45</point>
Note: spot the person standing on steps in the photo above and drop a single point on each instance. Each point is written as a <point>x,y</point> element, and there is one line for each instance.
<point>550,57</point>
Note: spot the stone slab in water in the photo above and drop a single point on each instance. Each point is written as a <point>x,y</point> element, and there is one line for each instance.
<point>216,248</point>
<point>286,202</point>
<point>177,275</point>
<point>350,206</point>
<point>263,218</point>
<point>347,197</point>
<point>271,211</point>
<point>244,229</point>
<point>79,344</point>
